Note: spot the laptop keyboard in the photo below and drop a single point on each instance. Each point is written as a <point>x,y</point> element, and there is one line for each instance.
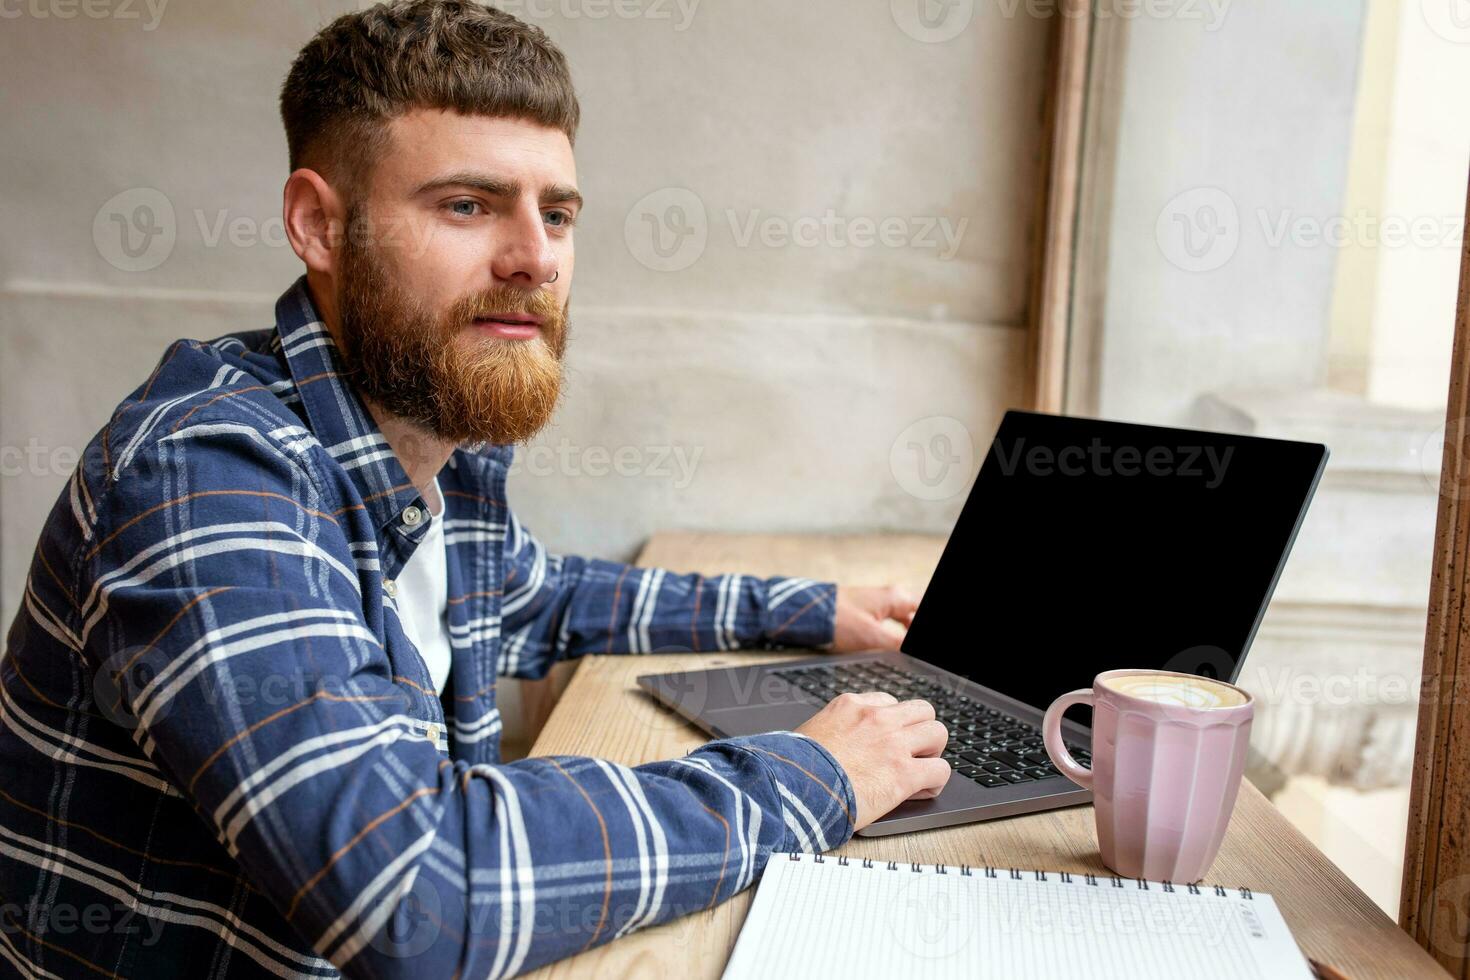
<point>985,744</point>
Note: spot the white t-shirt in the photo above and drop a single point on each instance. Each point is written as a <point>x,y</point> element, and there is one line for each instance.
<point>423,594</point>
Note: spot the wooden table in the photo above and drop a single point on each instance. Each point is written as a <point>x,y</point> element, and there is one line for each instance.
<point>604,714</point>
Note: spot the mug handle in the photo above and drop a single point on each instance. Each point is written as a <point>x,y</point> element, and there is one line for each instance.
<point>1051,734</point>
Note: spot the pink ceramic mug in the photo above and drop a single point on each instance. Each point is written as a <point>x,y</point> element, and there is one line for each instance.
<point>1168,751</point>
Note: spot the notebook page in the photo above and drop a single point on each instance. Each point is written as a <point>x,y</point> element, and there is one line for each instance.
<point>853,922</point>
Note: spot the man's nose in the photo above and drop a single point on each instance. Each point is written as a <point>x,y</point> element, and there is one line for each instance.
<point>525,256</point>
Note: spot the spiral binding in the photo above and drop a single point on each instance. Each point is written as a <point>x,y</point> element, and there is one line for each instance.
<point>1062,877</point>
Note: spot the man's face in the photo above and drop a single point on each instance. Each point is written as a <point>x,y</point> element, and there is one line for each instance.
<point>449,315</point>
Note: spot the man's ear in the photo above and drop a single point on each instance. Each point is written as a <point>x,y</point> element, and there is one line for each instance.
<point>316,219</point>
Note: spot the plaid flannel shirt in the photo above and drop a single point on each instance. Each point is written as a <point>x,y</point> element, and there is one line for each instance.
<point>222,757</point>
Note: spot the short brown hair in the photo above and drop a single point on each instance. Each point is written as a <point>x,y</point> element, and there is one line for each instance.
<point>365,68</point>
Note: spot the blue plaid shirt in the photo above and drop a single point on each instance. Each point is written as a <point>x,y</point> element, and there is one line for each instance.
<point>222,757</point>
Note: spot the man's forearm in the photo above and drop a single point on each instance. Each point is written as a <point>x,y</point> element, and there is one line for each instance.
<point>557,607</point>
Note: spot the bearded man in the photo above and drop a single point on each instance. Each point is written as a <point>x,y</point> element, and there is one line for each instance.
<point>249,720</point>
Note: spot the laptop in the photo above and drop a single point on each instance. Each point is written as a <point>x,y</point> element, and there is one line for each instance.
<point>1084,545</point>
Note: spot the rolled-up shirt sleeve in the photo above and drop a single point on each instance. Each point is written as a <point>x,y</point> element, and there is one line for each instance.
<point>387,857</point>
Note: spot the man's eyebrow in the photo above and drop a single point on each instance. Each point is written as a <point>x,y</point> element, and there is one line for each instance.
<point>561,194</point>
<point>499,187</point>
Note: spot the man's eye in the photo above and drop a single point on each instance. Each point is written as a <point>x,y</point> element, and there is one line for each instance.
<point>558,219</point>
<point>466,208</point>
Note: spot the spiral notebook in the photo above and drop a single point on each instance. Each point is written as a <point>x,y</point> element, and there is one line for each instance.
<point>823,916</point>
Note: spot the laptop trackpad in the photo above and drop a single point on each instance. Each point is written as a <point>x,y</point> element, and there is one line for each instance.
<point>757,718</point>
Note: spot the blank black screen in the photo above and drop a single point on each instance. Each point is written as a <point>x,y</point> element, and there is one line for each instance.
<point>1088,545</point>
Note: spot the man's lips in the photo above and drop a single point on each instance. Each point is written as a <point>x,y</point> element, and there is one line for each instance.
<point>510,326</point>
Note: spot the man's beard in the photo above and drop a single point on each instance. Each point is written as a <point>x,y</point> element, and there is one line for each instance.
<point>435,371</point>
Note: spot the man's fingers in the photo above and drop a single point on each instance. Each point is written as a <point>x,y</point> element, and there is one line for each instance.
<point>902,605</point>
<point>876,636</point>
<point>927,738</point>
<point>874,697</point>
<point>913,712</point>
<point>929,777</point>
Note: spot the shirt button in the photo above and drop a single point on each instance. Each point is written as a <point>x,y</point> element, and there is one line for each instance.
<point>390,587</point>
<point>412,516</point>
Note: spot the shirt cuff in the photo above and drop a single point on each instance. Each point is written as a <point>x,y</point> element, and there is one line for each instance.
<point>818,805</point>
<point>798,612</point>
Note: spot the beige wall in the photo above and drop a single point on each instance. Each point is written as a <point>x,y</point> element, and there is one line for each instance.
<point>777,372</point>
<point>1423,211</point>
<point>1393,309</point>
<point>1228,132</point>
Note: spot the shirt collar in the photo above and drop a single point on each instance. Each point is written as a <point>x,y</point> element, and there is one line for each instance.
<point>341,422</point>
<point>337,416</point>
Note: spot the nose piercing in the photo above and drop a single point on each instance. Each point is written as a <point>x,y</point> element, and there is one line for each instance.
<point>554,277</point>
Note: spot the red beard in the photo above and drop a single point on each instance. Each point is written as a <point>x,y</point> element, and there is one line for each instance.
<point>438,372</point>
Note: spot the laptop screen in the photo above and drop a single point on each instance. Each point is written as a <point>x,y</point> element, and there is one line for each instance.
<point>1088,545</point>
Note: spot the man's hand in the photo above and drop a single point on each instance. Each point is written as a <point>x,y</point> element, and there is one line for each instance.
<point>890,750</point>
<point>872,618</point>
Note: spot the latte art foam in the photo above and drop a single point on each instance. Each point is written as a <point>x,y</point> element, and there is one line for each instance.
<point>1183,692</point>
